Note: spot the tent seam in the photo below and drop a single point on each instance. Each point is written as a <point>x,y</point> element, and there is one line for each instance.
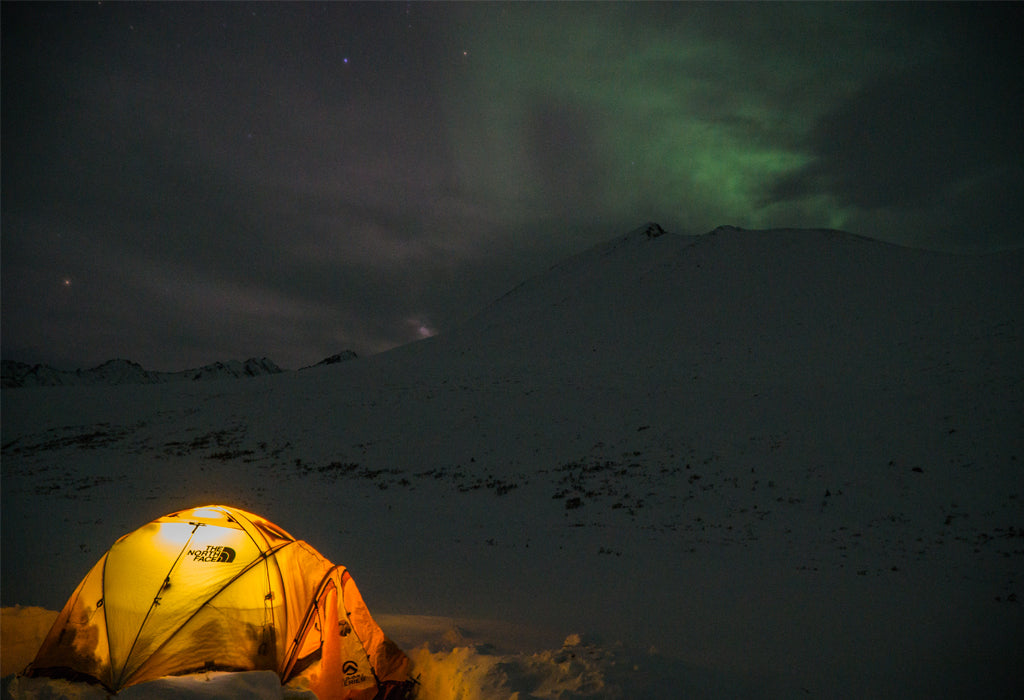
<point>152,605</point>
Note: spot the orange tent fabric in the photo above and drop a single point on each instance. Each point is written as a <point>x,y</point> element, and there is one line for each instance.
<point>218,588</point>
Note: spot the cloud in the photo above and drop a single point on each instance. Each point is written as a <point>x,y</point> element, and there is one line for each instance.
<point>908,139</point>
<point>935,144</point>
<point>565,159</point>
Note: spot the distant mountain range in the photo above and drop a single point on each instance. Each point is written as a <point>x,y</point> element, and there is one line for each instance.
<point>120,371</point>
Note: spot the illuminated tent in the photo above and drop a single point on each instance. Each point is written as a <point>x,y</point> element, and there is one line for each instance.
<point>217,588</point>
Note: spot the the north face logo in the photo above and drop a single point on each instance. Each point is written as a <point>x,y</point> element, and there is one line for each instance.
<point>353,676</point>
<point>213,553</point>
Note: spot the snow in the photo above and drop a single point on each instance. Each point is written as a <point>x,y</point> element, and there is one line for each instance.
<point>23,630</point>
<point>744,464</point>
<point>255,685</point>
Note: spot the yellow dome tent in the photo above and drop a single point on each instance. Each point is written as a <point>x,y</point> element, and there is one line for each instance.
<point>217,588</point>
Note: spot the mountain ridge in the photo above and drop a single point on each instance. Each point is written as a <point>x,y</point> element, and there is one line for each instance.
<point>807,258</point>
<point>735,285</point>
<point>121,371</point>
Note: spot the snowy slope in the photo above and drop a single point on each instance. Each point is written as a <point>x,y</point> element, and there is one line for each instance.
<point>749,463</point>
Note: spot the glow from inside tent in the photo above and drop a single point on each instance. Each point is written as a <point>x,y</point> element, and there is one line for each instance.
<point>208,513</point>
<point>173,536</point>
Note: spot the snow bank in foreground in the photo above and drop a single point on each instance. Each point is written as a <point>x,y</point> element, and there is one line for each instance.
<point>22,631</point>
<point>577,670</point>
<point>583,668</point>
<point>449,667</point>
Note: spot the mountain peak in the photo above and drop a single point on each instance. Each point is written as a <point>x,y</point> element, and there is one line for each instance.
<point>726,228</point>
<point>343,356</point>
<point>652,229</point>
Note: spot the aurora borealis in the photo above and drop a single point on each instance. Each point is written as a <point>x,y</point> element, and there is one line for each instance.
<point>185,183</point>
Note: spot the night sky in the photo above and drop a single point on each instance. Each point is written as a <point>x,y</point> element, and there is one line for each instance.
<point>187,183</point>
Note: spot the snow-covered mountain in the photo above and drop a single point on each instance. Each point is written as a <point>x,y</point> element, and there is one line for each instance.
<point>344,356</point>
<point>743,464</point>
<point>113,372</point>
<point>19,374</point>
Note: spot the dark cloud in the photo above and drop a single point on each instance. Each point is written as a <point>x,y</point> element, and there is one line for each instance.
<point>560,139</point>
<point>941,137</point>
<point>910,139</point>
